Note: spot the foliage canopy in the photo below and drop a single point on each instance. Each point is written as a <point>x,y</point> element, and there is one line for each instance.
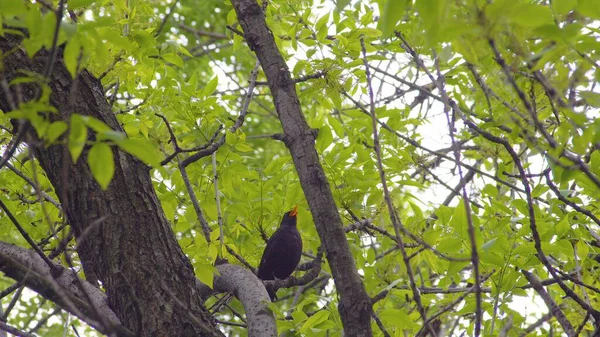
<point>488,136</point>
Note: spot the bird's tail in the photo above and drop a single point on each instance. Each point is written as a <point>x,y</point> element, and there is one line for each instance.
<point>272,294</point>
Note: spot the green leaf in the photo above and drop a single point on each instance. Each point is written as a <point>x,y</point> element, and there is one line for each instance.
<point>230,138</point>
<point>211,86</point>
<point>393,11</point>
<point>341,4</point>
<point>444,214</point>
<point>75,4</point>
<point>324,139</point>
<point>459,220</point>
<point>336,125</point>
<point>173,59</point>
<point>370,32</point>
<point>299,316</point>
<point>55,130</point>
<point>95,124</point>
<point>562,7</point>
<point>77,136</point>
<point>563,227</point>
<point>169,207</point>
<point>493,258</point>
<point>486,246</point>
<point>595,162</point>
<point>140,149</point>
<point>589,8</point>
<point>144,39</point>
<point>243,147</point>
<point>582,250</point>
<point>524,249</point>
<point>12,7</point>
<point>532,15</point>
<point>322,23</point>
<point>231,17</point>
<point>72,56</point>
<point>455,267</point>
<point>101,163</point>
<point>185,52</point>
<point>591,98</point>
<point>206,273</point>
<point>397,318</point>
<point>432,13</point>
<point>312,321</point>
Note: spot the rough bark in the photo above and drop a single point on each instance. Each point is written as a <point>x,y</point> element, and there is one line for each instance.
<point>355,305</point>
<point>133,250</point>
<point>61,286</point>
<point>251,292</point>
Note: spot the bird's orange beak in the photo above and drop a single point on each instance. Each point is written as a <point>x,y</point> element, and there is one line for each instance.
<point>294,211</point>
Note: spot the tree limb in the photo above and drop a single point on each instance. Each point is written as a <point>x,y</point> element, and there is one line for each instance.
<point>59,285</point>
<point>354,304</point>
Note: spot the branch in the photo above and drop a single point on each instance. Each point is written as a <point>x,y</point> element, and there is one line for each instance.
<point>396,221</point>
<point>59,285</point>
<point>536,324</point>
<point>254,297</point>
<point>433,152</point>
<point>530,209</point>
<point>562,198</point>
<point>305,279</point>
<point>554,308</point>
<point>452,304</point>
<point>166,18</point>
<point>25,235</point>
<point>34,185</point>
<point>12,330</point>
<point>199,32</point>
<point>354,303</point>
<point>551,141</point>
<point>238,123</point>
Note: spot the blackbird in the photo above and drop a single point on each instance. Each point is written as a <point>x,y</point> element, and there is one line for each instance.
<point>282,254</point>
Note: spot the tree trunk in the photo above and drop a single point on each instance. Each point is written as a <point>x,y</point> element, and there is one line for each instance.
<point>355,305</point>
<point>123,237</point>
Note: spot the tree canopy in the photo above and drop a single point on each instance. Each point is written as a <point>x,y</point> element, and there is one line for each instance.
<point>444,155</point>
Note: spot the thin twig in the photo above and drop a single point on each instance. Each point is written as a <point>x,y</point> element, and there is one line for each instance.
<point>240,258</point>
<point>433,152</point>
<point>12,148</point>
<point>12,303</point>
<point>545,318</point>
<point>166,18</point>
<point>467,205</point>
<point>568,202</point>
<point>396,222</point>
<point>12,330</point>
<point>238,123</point>
<point>380,325</point>
<point>218,200</point>
<point>452,304</point>
<point>41,322</point>
<point>554,308</point>
<point>539,127</point>
<point>530,209</point>
<point>9,289</point>
<point>188,185</point>
<point>86,295</point>
<point>54,48</point>
<point>186,180</point>
<point>32,184</point>
<point>198,32</point>
<point>26,236</point>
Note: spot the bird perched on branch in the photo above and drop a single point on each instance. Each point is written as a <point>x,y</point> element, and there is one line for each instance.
<point>282,254</point>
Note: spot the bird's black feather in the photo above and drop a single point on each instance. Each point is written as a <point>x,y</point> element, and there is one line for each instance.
<point>283,251</point>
